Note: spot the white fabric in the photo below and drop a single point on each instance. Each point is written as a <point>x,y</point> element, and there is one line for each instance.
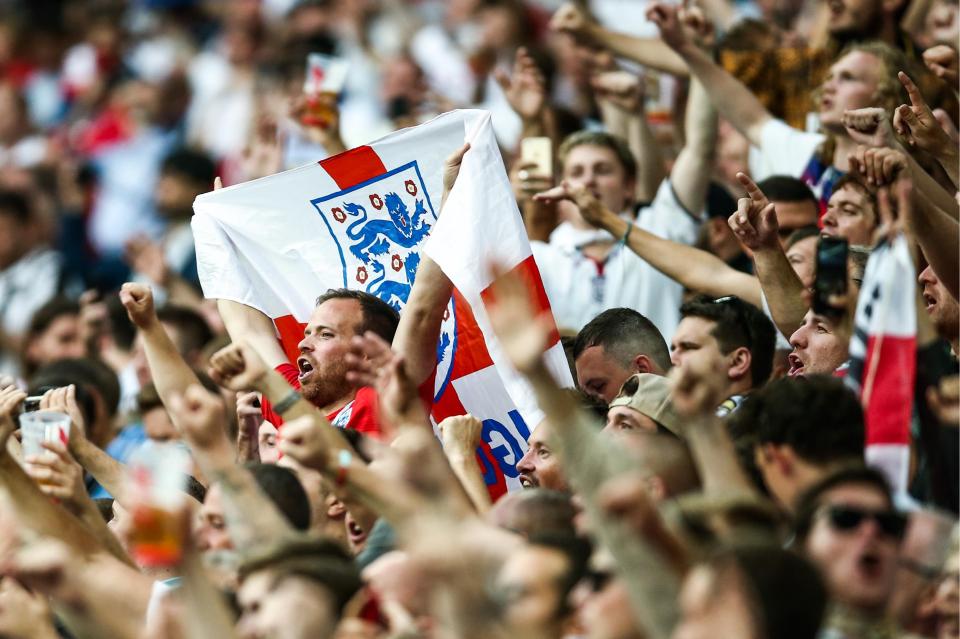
<point>25,286</point>
<point>783,341</point>
<point>783,150</point>
<point>578,292</point>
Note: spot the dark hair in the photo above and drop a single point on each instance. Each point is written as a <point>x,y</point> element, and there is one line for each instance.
<point>787,593</point>
<point>809,501</point>
<point>783,188</point>
<point>47,314</point>
<point>719,201</point>
<point>85,373</point>
<point>817,416</point>
<point>15,205</point>
<point>191,164</point>
<point>623,333</point>
<point>577,551</point>
<point>193,331</point>
<point>195,489</point>
<point>378,316</point>
<point>738,324</point>
<point>603,139</point>
<point>285,491</point>
<point>801,234</point>
<point>121,328</point>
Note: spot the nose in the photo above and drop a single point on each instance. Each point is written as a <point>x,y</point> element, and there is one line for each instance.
<point>926,276</point>
<point>799,338</point>
<point>304,346</point>
<point>525,465</point>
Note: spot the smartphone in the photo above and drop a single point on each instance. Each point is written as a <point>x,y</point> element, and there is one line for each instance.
<point>538,152</point>
<point>831,274</point>
<point>31,404</point>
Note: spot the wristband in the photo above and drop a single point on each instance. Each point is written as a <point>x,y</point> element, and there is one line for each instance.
<point>286,403</point>
<point>626,234</point>
<point>344,459</point>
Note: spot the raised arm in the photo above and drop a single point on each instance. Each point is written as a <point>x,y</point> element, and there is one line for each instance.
<point>650,52</point>
<point>691,172</point>
<point>732,99</point>
<point>247,324</point>
<point>755,225</point>
<point>696,269</point>
<point>419,328</point>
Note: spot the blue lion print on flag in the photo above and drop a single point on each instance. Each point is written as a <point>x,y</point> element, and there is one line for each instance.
<point>378,226</point>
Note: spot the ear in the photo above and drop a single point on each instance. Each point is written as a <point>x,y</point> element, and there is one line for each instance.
<point>783,457</point>
<point>740,361</point>
<point>642,364</point>
<point>335,508</point>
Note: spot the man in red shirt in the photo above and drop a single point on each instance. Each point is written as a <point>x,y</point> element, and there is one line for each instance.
<point>321,372</point>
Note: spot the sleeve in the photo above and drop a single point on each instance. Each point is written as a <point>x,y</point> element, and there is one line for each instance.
<point>783,150</point>
<point>667,217</point>
<point>290,373</point>
<point>783,341</point>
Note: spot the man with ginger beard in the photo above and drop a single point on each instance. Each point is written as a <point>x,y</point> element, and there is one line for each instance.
<point>942,308</point>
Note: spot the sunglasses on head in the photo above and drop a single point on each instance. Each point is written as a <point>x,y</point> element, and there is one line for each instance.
<point>847,518</point>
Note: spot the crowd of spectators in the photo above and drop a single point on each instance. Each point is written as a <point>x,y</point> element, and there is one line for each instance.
<point>708,476</point>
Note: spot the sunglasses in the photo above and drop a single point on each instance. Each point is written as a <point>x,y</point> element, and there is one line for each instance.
<point>847,518</point>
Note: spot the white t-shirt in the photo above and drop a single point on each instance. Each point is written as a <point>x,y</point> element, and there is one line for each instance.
<point>783,151</point>
<point>579,289</point>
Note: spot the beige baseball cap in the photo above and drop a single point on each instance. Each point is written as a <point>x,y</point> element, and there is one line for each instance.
<point>651,398</point>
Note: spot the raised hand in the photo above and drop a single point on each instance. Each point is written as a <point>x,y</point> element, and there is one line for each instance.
<point>698,385</point>
<point>371,362</point>
<point>138,300</point>
<point>944,62</point>
<point>621,88</point>
<point>303,442</point>
<point>869,126</point>
<point>916,122</point>
<point>325,132</point>
<point>369,354</point>
<point>64,400</point>
<point>57,474</point>
<point>570,19</point>
<point>668,20</point>
<point>237,367</point>
<point>755,222</point>
<point>146,256</point>
<point>524,88</point>
<point>249,419</point>
<point>592,209</point>
<point>879,166</point>
<point>451,167</point>
<point>201,418</point>
<point>10,398</point>
<point>461,435</point>
<point>522,334</point>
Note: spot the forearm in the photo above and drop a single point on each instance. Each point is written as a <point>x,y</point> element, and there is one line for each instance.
<point>949,158</point>
<point>108,472</point>
<point>735,102</point>
<point>645,147</point>
<point>691,172</point>
<point>468,473</point>
<point>937,234</point>
<point>650,52</point>
<point>171,374</point>
<point>419,328</point>
<point>88,514</point>
<point>782,288</point>
<point>715,457</point>
<point>252,518</point>
<point>180,292</point>
<point>245,323</point>
<point>34,510</point>
<point>937,198</point>
<point>206,612</point>
<point>695,269</point>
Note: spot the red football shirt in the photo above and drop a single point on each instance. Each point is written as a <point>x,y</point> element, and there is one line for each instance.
<point>359,415</point>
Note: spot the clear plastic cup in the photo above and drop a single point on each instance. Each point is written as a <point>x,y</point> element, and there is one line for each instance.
<point>156,481</point>
<point>42,426</point>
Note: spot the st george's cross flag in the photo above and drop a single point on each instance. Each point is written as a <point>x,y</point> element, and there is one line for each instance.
<point>883,358</point>
<point>360,220</point>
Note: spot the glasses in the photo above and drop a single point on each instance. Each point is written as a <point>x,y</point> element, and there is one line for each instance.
<point>847,518</point>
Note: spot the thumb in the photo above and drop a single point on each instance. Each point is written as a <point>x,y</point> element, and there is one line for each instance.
<point>768,216</point>
<point>907,114</point>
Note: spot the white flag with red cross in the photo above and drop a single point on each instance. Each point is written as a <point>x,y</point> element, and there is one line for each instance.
<point>359,220</point>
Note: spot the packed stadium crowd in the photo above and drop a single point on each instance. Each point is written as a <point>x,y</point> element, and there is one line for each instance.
<point>739,327</point>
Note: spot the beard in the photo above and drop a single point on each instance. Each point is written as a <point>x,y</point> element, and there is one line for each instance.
<point>326,385</point>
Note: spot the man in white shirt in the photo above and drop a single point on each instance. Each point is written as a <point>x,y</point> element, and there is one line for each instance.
<point>586,271</point>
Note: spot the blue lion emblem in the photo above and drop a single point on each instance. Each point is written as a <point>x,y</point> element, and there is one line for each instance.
<point>379,239</point>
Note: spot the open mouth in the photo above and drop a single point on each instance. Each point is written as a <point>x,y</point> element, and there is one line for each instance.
<point>527,481</point>
<point>796,365</point>
<point>869,565</point>
<point>929,300</point>
<point>306,368</point>
<point>355,532</point>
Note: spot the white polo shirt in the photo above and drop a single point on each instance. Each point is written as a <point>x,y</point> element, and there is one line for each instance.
<point>579,288</point>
